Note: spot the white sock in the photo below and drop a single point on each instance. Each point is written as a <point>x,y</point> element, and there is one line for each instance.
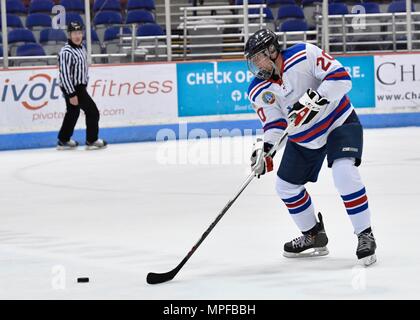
<point>298,203</point>
<point>349,184</point>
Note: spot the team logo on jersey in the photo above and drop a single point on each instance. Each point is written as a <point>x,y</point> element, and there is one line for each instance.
<point>268,97</point>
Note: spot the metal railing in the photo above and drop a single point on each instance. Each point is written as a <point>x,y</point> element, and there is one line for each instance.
<point>222,33</point>
<point>385,32</point>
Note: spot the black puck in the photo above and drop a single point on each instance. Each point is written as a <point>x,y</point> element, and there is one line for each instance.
<point>82,280</point>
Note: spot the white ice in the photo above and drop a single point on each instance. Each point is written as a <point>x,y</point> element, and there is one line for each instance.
<point>114,215</point>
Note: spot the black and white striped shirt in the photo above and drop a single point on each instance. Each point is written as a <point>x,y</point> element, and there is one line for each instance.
<point>73,68</point>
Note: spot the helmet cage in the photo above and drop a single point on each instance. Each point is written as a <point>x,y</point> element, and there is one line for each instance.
<point>261,65</point>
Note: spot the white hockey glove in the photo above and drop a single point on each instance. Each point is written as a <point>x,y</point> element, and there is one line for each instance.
<point>260,162</point>
<point>306,108</point>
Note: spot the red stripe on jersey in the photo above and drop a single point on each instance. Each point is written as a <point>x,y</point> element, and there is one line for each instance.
<point>338,75</point>
<point>325,125</point>
<point>258,86</point>
<point>294,58</point>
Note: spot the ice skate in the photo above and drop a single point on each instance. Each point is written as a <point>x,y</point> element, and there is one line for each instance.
<point>366,248</point>
<point>98,144</point>
<point>312,243</point>
<point>69,145</point>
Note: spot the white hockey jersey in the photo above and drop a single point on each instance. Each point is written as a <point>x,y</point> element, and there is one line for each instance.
<point>304,66</point>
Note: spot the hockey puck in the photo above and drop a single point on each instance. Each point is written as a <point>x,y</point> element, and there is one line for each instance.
<point>82,280</point>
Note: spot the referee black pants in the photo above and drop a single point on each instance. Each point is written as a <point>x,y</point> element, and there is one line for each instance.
<point>70,119</point>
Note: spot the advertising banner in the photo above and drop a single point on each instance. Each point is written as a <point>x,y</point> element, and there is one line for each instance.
<point>213,88</point>
<point>220,88</point>
<point>397,81</point>
<point>361,70</point>
<point>31,100</point>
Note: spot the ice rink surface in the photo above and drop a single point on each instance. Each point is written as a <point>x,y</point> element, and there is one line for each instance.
<point>116,214</point>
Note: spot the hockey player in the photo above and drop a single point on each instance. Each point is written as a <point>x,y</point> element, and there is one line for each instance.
<point>305,88</point>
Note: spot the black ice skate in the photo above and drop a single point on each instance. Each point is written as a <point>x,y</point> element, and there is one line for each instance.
<point>312,243</point>
<point>69,145</point>
<point>366,247</point>
<point>98,144</point>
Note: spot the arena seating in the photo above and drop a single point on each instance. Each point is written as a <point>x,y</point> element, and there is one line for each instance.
<point>30,22</point>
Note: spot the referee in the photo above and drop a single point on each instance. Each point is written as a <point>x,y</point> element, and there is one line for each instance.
<point>73,79</point>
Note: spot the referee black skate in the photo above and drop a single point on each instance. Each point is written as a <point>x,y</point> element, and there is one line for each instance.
<point>73,80</point>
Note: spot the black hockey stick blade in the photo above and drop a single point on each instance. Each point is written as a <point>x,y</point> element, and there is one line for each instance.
<point>156,278</point>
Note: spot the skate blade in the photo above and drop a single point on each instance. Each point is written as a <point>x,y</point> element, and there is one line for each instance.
<point>90,148</point>
<point>313,252</point>
<point>63,148</point>
<point>367,261</point>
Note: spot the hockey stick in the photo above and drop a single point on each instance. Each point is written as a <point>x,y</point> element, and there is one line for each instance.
<point>154,278</point>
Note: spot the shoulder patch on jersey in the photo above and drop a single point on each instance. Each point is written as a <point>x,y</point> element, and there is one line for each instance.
<point>268,97</point>
<point>293,55</point>
<point>256,87</point>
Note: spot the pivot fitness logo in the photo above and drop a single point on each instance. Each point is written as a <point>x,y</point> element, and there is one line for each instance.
<point>33,92</point>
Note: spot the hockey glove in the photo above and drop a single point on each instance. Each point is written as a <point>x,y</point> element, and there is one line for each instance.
<point>306,108</point>
<point>260,162</point>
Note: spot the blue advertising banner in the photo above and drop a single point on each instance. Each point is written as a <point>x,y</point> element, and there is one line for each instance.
<point>213,88</point>
<point>220,88</point>
<point>362,72</point>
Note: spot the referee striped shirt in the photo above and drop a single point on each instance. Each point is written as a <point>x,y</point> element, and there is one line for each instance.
<point>73,68</point>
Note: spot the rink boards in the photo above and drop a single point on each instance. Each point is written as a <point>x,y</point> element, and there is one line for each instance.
<point>159,101</point>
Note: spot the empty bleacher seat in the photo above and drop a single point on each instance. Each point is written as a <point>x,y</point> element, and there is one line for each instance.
<point>41,6</point>
<point>21,35</point>
<point>274,5</point>
<point>268,14</point>
<point>38,21</point>
<point>371,7</point>
<point>106,5</point>
<point>399,6</point>
<point>18,37</point>
<point>30,49</point>
<point>52,41</point>
<point>337,8</point>
<point>77,6</point>
<point>294,25</point>
<point>53,36</point>
<point>139,16</point>
<point>107,17</point>
<point>290,11</point>
<point>140,4</point>
<point>104,19</point>
<point>150,29</point>
<point>15,7</point>
<point>113,33</point>
<point>13,21</point>
<point>268,19</point>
